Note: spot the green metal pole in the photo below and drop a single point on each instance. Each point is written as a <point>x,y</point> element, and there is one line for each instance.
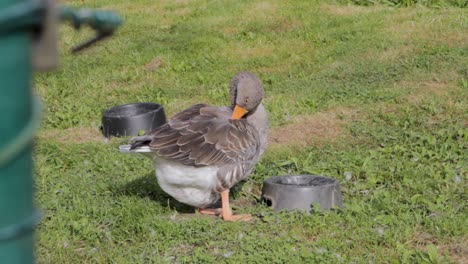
<point>19,114</point>
<point>17,215</point>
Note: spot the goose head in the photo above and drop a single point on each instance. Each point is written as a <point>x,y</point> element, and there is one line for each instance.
<point>246,94</point>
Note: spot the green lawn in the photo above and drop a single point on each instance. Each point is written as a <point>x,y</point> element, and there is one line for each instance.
<point>376,92</point>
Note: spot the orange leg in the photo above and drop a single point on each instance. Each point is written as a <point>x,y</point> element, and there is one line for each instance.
<point>227,212</point>
<point>210,211</point>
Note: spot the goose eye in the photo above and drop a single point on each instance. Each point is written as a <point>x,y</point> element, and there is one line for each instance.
<point>246,100</point>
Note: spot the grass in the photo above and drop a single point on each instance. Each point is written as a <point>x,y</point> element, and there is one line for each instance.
<point>406,3</point>
<point>380,93</point>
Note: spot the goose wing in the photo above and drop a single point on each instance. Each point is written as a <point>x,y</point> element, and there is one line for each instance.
<point>205,136</point>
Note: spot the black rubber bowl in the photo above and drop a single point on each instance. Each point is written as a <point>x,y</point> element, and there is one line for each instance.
<point>129,119</point>
<point>301,192</point>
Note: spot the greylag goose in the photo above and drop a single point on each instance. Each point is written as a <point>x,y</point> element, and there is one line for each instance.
<point>205,150</point>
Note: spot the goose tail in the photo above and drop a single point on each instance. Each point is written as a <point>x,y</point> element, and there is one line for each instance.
<point>129,149</point>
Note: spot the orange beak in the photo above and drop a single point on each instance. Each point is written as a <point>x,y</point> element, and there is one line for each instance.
<point>238,112</point>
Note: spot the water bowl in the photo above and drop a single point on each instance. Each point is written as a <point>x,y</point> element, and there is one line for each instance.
<point>130,119</point>
<point>302,192</point>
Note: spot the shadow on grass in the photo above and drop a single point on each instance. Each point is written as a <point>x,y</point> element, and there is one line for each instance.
<point>147,187</point>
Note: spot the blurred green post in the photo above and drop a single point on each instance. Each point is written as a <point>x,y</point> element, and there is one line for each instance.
<point>27,39</point>
<point>17,213</point>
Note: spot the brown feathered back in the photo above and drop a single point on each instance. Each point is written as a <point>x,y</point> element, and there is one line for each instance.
<point>205,135</point>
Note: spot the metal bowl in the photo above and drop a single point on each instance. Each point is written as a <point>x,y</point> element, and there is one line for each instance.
<point>301,192</point>
<point>130,119</point>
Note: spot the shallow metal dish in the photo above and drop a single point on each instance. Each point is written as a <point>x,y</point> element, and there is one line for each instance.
<point>301,192</point>
<point>129,119</point>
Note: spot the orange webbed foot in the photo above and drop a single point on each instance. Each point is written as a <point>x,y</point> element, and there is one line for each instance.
<point>210,211</point>
<point>238,217</point>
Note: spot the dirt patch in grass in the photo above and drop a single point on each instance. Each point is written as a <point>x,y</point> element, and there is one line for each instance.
<point>112,85</point>
<point>262,8</point>
<point>154,64</point>
<point>287,25</point>
<point>437,88</point>
<point>423,89</point>
<point>389,55</point>
<point>456,38</point>
<point>457,250</point>
<point>230,30</point>
<point>183,11</point>
<point>314,129</point>
<point>416,24</point>
<point>72,135</point>
<point>349,10</point>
